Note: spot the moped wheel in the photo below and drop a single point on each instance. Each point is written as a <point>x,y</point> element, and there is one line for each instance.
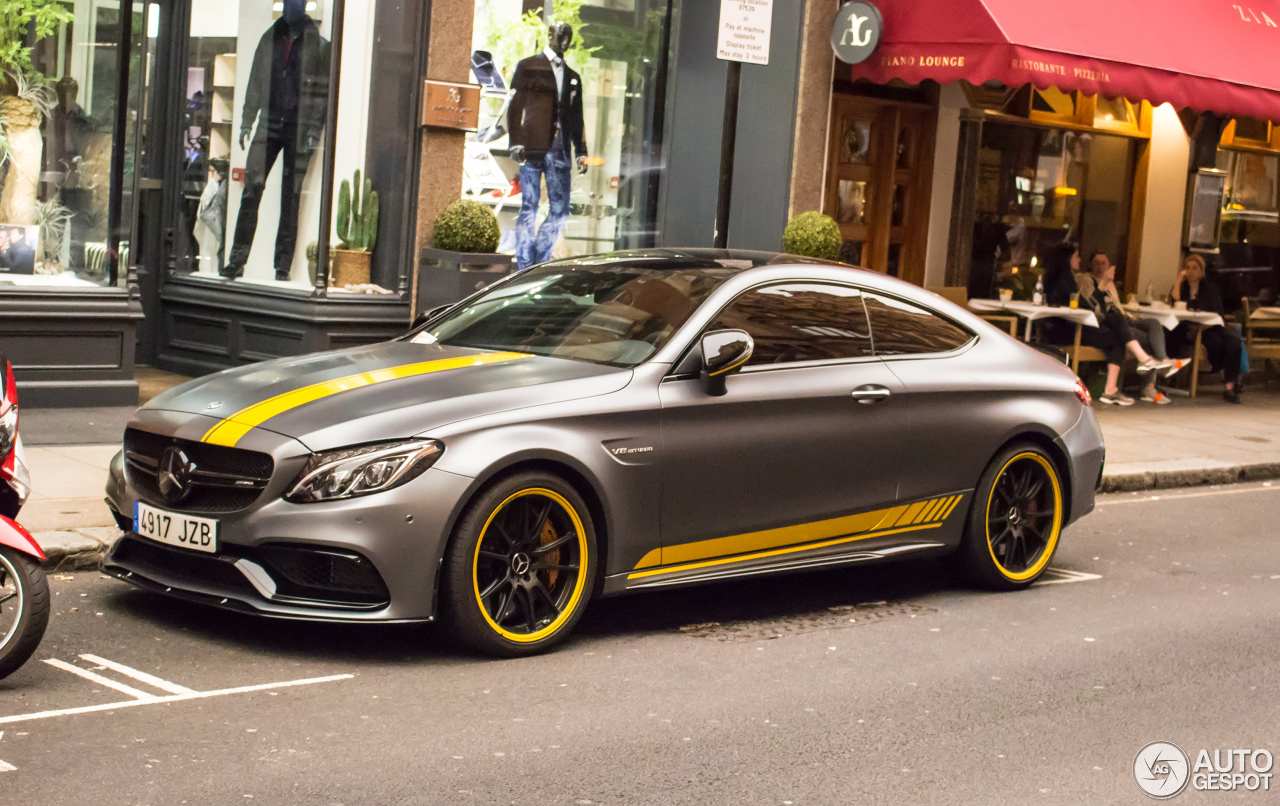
<point>24,608</point>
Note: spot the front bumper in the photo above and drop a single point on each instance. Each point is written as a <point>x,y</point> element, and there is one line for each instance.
<point>401,533</point>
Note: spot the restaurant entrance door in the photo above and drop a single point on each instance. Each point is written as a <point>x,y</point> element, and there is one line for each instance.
<point>880,166</point>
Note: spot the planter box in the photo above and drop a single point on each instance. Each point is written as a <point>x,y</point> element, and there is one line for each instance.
<point>446,277</point>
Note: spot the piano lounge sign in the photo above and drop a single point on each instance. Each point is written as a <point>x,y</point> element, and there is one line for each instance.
<point>856,32</point>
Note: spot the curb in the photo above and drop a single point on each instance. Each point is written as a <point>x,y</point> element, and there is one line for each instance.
<point>1163,479</point>
<point>75,549</point>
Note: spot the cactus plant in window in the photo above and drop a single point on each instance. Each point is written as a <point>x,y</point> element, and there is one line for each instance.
<point>356,221</point>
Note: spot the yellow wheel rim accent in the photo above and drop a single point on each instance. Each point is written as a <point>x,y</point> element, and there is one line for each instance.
<point>580,583</point>
<point>1055,528</point>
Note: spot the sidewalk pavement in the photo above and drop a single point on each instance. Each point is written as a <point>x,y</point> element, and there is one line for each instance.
<point>1191,442</point>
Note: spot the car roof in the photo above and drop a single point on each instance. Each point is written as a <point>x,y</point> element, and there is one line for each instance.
<point>736,260</point>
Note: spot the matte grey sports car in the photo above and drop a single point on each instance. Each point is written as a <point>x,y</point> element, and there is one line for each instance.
<point>608,424</point>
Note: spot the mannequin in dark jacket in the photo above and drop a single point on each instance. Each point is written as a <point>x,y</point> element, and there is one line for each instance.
<point>288,96</point>
<point>545,121</point>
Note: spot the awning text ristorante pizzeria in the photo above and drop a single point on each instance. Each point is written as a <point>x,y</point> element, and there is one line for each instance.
<point>1061,70</point>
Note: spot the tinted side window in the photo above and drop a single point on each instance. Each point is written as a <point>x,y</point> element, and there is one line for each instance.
<point>900,328</point>
<point>800,322</point>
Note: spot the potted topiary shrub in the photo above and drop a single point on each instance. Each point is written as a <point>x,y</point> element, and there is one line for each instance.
<point>813,234</point>
<point>357,230</point>
<point>463,257</point>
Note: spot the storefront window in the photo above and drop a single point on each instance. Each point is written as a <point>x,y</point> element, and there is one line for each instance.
<point>1250,235</point>
<point>570,130</point>
<point>58,123</point>
<point>253,152</point>
<point>256,96</point>
<point>1038,187</point>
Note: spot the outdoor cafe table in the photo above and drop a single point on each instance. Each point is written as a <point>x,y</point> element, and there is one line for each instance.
<point>1031,312</point>
<point>1265,313</point>
<point>1169,317</point>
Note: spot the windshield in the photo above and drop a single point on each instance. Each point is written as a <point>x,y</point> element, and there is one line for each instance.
<point>617,315</point>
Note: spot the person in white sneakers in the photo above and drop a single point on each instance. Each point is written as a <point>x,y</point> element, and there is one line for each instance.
<point>1098,292</point>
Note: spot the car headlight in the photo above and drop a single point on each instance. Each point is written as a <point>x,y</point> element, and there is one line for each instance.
<point>363,471</point>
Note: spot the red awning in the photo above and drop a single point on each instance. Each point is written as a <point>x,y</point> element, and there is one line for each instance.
<point>1209,55</point>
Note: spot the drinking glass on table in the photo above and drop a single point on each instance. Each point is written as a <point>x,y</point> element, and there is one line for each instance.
<point>1075,300</point>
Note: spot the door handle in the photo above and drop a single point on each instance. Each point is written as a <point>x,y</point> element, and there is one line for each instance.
<point>871,394</point>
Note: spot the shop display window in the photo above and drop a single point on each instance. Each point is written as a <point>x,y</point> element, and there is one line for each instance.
<point>568,152</point>
<point>58,123</point>
<point>1037,187</point>
<point>257,100</point>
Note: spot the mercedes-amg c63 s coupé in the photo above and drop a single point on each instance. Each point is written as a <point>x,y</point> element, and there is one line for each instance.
<point>602,425</point>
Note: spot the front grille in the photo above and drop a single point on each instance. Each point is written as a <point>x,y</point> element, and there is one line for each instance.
<point>179,566</point>
<point>323,574</point>
<point>222,480</point>
<point>302,574</point>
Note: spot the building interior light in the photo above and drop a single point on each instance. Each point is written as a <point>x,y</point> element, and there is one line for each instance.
<point>1063,191</point>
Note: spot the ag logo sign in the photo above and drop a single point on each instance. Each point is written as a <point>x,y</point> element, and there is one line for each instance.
<point>1161,770</point>
<point>856,32</point>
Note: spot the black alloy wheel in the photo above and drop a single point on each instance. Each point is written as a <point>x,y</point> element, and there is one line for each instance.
<point>520,567</point>
<point>1015,519</point>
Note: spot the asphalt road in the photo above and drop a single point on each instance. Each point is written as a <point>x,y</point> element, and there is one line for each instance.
<point>794,690</point>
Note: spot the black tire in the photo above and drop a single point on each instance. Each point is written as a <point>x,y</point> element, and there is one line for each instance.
<point>21,578</point>
<point>1015,519</point>
<point>520,566</point>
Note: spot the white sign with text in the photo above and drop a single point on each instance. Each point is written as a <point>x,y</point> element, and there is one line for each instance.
<point>745,26</point>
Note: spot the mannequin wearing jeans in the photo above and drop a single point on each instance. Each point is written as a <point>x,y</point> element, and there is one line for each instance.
<point>545,121</point>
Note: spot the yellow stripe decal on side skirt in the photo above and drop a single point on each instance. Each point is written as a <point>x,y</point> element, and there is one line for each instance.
<point>669,569</point>
<point>229,431</point>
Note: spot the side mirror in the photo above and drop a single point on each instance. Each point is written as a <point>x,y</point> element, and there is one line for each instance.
<point>426,316</point>
<point>723,353</point>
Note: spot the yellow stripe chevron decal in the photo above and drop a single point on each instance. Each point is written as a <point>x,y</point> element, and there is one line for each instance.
<point>229,431</point>
<point>928,514</point>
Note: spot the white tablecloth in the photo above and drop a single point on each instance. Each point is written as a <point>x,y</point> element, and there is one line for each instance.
<point>1265,313</point>
<point>1081,316</point>
<point>1170,318</point>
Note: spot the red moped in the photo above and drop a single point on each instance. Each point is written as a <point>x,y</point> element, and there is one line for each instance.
<point>24,591</point>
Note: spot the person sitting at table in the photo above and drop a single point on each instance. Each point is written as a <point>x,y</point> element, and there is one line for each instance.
<point>1060,282</point>
<point>1223,345</point>
<point>1144,338</point>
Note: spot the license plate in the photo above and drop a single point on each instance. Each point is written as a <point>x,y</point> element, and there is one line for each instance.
<point>175,529</point>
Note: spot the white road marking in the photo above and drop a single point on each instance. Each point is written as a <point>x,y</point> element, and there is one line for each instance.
<point>196,695</point>
<point>99,679</point>
<point>4,765</point>
<point>142,677</point>
<point>1059,576</point>
<point>1150,498</point>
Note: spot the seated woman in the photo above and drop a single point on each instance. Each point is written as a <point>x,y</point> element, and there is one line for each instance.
<point>1223,344</point>
<point>1113,337</point>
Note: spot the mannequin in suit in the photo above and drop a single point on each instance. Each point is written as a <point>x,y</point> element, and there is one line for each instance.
<point>545,124</point>
<point>288,96</point>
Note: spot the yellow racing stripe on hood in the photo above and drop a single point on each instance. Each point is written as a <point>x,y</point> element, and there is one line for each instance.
<point>229,431</point>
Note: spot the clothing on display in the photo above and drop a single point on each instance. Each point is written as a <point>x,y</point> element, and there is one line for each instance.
<point>211,222</point>
<point>287,96</point>
<point>545,121</point>
<point>555,168</point>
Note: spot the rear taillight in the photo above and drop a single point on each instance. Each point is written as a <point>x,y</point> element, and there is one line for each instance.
<point>1082,392</point>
